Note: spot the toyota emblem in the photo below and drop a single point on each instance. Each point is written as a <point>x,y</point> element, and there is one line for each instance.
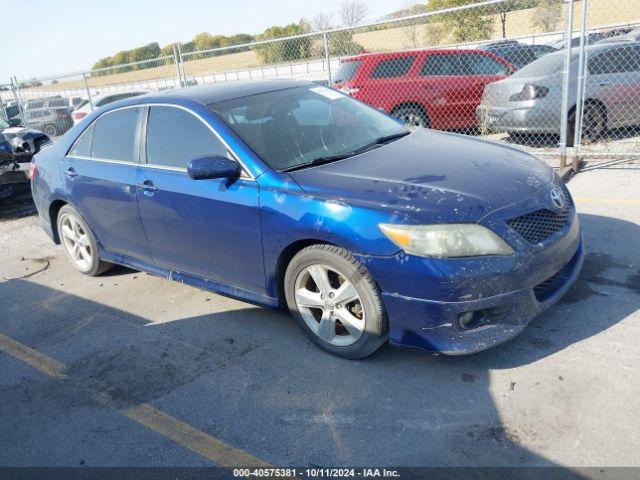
<point>557,198</point>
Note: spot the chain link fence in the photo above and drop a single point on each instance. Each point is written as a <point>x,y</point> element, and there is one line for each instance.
<point>560,79</point>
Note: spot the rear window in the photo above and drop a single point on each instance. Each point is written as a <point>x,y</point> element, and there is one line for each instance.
<point>114,135</point>
<point>347,71</point>
<point>61,102</point>
<point>516,56</point>
<point>547,65</point>
<point>393,67</point>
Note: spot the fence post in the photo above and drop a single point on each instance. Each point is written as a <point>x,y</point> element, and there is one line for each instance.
<point>326,56</point>
<point>577,136</point>
<point>15,88</point>
<point>86,86</point>
<point>564,120</point>
<point>181,65</point>
<point>176,59</point>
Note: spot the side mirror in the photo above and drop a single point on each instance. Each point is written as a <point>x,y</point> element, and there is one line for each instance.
<point>213,167</point>
<point>509,71</point>
<point>15,122</point>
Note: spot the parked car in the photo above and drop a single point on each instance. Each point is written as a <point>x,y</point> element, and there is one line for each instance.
<point>287,194</point>
<point>530,100</point>
<point>593,37</point>
<point>52,121</point>
<point>17,146</point>
<point>632,36</point>
<point>519,54</point>
<point>85,108</point>
<point>430,88</point>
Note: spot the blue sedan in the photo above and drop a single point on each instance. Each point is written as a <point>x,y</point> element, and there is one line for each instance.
<point>290,195</point>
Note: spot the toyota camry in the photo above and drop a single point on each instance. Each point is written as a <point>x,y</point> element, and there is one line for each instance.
<point>290,195</point>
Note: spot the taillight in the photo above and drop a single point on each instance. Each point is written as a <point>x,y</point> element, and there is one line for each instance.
<point>78,115</point>
<point>61,117</point>
<point>31,173</point>
<point>529,92</point>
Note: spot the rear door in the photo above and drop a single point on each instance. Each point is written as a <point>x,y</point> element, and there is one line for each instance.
<point>209,228</point>
<point>100,173</point>
<point>481,69</point>
<point>614,78</point>
<point>442,87</point>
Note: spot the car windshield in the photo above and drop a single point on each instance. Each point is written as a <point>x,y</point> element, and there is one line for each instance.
<point>292,128</point>
<point>347,70</point>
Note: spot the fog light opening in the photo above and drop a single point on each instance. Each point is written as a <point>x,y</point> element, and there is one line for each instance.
<point>472,319</point>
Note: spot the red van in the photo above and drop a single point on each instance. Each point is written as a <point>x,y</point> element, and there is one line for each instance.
<point>432,88</point>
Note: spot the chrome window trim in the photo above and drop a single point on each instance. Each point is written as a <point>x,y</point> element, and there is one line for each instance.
<point>246,173</point>
<point>103,160</point>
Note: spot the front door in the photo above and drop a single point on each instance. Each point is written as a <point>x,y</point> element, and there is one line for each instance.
<point>210,228</point>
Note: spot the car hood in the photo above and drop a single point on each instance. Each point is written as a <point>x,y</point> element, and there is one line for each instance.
<point>431,176</point>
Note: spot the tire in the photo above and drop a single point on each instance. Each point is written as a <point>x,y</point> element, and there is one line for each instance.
<point>412,115</point>
<point>79,242</point>
<point>51,130</point>
<point>594,124</point>
<point>344,317</point>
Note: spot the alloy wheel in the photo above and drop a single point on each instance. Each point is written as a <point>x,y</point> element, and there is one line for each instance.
<point>330,305</point>
<point>76,241</point>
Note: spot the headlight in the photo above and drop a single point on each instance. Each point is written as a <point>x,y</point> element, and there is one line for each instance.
<point>446,240</point>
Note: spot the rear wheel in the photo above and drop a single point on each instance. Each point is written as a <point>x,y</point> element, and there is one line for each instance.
<point>335,301</point>
<point>594,124</point>
<point>412,115</point>
<point>79,243</point>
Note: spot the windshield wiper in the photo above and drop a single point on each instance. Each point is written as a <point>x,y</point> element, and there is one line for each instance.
<point>319,161</point>
<point>333,158</point>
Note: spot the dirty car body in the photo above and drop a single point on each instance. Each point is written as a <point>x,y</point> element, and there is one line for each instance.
<point>236,236</point>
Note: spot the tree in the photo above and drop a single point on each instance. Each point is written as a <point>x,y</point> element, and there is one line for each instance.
<point>353,12</point>
<point>285,50</point>
<point>322,22</point>
<point>467,25</point>
<point>547,15</point>
<point>510,6</point>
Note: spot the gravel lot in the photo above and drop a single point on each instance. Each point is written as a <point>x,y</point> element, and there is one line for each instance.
<point>117,360</point>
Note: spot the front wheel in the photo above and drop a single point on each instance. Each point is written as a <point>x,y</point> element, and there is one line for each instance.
<point>594,124</point>
<point>335,301</point>
<point>79,243</point>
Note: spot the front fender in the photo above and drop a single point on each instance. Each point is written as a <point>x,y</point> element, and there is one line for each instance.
<point>290,215</point>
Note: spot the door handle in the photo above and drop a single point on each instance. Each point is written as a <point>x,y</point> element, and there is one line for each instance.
<point>605,84</point>
<point>147,186</point>
<point>70,172</point>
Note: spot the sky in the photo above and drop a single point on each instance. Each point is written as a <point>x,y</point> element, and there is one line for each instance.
<point>59,36</point>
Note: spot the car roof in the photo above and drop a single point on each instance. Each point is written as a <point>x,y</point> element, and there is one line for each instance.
<point>403,53</point>
<point>218,92</point>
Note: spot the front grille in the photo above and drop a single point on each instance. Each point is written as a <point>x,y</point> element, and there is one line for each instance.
<point>537,226</point>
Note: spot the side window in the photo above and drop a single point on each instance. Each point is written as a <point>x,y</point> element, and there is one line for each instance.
<point>620,60</point>
<point>393,67</point>
<point>442,65</point>
<point>175,137</point>
<point>114,135</point>
<point>478,64</point>
<point>82,148</point>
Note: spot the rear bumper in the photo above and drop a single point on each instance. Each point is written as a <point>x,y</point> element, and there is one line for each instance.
<point>525,119</point>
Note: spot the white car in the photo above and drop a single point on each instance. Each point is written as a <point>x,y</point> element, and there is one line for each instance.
<point>85,108</point>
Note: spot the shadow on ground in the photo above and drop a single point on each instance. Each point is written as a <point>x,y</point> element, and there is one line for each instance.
<point>250,377</point>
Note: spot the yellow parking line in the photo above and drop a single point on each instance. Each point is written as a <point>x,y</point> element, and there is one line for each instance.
<point>37,360</point>
<point>607,201</point>
<point>144,414</point>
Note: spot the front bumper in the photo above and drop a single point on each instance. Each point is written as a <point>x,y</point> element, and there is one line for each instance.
<point>425,298</point>
<point>433,325</point>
